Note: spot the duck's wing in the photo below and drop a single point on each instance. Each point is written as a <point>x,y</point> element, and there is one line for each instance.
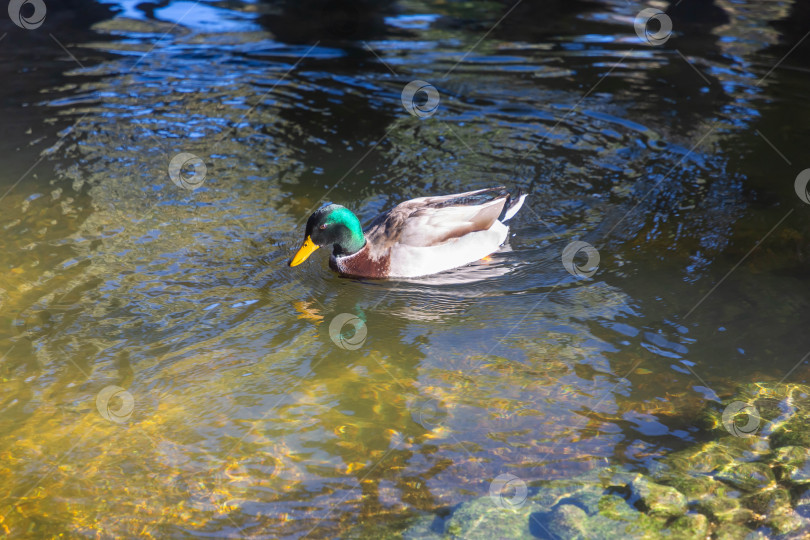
<point>432,221</point>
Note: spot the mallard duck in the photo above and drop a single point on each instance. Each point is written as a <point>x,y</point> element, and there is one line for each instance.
<point>415,238</point>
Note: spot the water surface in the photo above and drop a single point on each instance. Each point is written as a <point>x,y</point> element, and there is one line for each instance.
<point>676,162</point>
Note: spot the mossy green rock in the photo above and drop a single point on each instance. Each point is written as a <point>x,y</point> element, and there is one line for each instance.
<point>775,405</point>
<point>787,523</point>
<point>793,432</point>
<point>568,521</point>
<point>768,501</point>
<point>731,531</point>
<point>484,519</point>
<point>616,519</point>
<point>793,463</point>
<point>724,509</point>
<point>587,489</point>
<point>609,504</point>
<point>696,487</point>
<point>615,508</point>
<point>657,499</point>
<point>703,460</point>
<point>747,476</point>
<point>689,526</point>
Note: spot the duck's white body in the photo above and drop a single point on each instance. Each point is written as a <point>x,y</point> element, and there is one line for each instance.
<point>432,234</point>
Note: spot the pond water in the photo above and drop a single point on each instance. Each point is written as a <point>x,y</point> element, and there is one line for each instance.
<point>237,411</point>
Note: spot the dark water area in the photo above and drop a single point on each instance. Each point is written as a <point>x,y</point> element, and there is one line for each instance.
<point>240,413</point>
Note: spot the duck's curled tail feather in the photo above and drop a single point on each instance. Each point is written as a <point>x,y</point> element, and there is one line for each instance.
<point>513,204</point>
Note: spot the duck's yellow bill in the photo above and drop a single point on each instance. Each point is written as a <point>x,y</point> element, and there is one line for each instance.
<point>303,253</point>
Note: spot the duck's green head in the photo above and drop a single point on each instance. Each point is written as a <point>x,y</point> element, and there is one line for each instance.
<point>331,225</point>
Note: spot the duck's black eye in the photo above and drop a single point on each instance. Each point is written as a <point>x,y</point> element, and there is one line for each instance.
<point>323,226</point>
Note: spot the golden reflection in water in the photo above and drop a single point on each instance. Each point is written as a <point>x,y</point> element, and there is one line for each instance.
<point>154,474</point>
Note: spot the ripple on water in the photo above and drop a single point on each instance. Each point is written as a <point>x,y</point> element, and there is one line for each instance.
<point>248,410</point>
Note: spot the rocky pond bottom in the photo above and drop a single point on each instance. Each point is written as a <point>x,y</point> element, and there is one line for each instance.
<point>751,481</point>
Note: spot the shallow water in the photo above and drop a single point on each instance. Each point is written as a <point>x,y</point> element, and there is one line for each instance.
<point>676,162</point>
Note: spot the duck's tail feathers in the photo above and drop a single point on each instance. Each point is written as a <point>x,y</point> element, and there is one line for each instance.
<point>513,204</point>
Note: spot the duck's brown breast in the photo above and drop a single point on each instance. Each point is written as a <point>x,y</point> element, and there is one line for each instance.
<point>362,264</point>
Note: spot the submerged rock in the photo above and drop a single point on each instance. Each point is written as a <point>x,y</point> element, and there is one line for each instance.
<point>768,501</point>
<point>787,523</point>
<point>690,526</point>
<point>568,521</point>
<point>802,505</point>
<point>612,503</point>
<point>731,531</point>
<point>752,481</point>
<point>747,476</point>
<point>724,509</point>
<point>484,518</point>
<point>793,462</point>
<point>657,499</point>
